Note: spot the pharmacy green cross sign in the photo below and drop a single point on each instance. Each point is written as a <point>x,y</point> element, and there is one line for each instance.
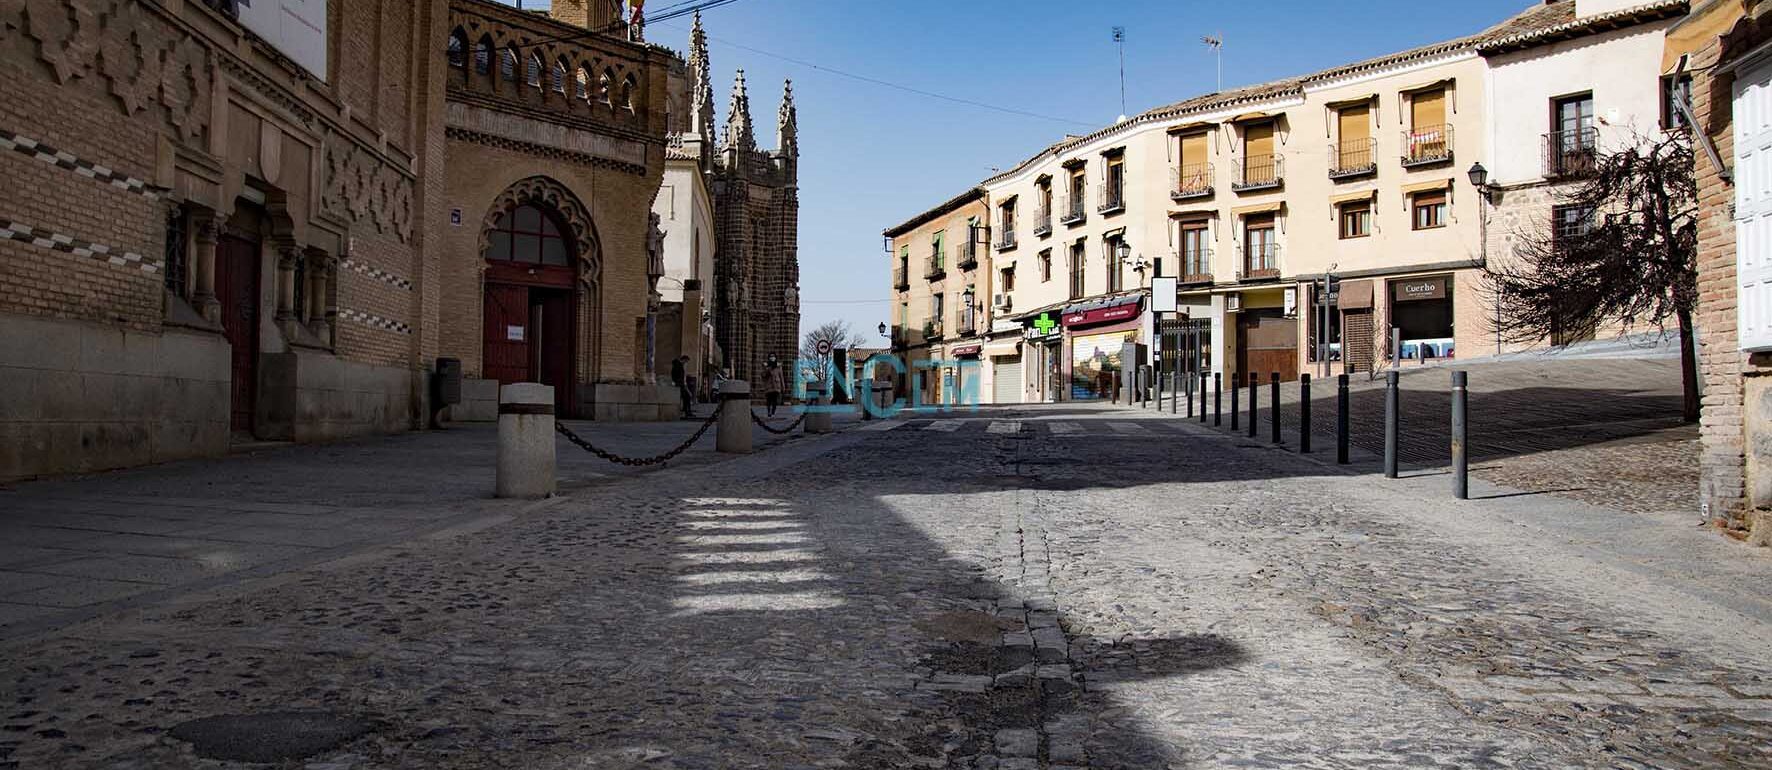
<point>1044,324</point>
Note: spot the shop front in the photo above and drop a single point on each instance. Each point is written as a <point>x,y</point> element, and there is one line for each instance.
<point>1042,358</point>
<point>1421,317</point>
<point>1002,364</point>
<point>1267,334</point>
<point>1098,332</point>
<point>962,376</point>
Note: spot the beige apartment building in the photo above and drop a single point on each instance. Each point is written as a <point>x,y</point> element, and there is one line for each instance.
<point>1252,198</point>
<point>940,286</point>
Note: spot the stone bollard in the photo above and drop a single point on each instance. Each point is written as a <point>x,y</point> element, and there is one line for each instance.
<point>734,432</point>
<point>525,440</point>
<point>818,416</point>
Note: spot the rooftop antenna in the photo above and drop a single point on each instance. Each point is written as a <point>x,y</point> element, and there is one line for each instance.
<point>1120,40</point>
<point>1216,43</point>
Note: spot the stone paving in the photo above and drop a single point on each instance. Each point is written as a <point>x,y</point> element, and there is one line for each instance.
<point>1123,592</point>
<point>70,548</point>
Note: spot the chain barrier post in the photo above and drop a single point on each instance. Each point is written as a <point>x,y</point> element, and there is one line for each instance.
<point>1218,399</point>
<point>1460,461</point>
<point>1254,403</point>
<point>1203,379</point>
<point>734,434</point>
<point>1274,404</point>
<point>1235,410</point>
<point>525,441</point>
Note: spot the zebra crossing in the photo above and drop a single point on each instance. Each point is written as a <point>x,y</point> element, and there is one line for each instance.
<point>995,427</point>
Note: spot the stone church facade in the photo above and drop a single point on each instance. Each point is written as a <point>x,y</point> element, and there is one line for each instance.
<point>757,210</point>
<point>208,243</point>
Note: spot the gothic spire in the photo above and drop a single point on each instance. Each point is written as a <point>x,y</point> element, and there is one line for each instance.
<point>739,135</point>
<point>701,107</point>
<point>787,124</point>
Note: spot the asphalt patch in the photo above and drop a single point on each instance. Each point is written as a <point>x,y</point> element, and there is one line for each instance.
<point>275,736</point>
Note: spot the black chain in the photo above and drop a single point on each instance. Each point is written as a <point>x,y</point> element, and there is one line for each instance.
<point>781,431</point>
<point>561,429</point>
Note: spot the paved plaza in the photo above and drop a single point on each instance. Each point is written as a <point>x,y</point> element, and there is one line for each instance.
<point>1060,586</point>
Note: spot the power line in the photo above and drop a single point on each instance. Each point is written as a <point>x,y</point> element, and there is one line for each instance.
<point>889,84</point>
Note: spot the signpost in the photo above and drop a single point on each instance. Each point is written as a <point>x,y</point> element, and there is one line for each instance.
<point>1163,300</point>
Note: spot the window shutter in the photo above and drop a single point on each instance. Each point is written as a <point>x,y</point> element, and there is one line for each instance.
<point>1753,207</point>
<point>1193,149</point>
<point>1355,123</point>
<point>1427,108</point>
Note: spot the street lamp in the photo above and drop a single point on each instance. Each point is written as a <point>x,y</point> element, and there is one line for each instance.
<point>882,328</point>
<point>1479,177</point>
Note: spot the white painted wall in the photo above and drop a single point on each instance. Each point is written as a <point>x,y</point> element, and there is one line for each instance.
<point>684,209</point>
<point>1622,69</point>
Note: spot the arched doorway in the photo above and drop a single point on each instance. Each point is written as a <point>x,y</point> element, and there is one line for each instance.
<point>530,301</point>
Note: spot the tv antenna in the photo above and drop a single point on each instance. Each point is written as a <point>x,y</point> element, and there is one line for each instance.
<point>1216,43</point>
<point>1120,40</point>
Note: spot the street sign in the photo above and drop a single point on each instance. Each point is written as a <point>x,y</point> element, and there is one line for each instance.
<point>823,347</point>
<point>1163,294</point>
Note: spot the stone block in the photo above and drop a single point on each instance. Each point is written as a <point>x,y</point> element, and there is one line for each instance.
<point>479,402</point>
<point>1759,528</point>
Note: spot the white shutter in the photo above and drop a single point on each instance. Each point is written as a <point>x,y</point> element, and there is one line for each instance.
<point>1006,382</point>
<point>1753,206</point>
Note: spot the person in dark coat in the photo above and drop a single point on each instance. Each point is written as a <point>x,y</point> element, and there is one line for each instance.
<point>680,377</point>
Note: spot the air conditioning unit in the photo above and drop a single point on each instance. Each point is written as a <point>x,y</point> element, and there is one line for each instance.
<point>1233,302</point>
<point>1000,301</point>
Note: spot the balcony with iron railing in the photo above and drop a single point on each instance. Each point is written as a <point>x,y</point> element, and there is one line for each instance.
<point>1427,145</point>
<point>1260,172</point>
<point>1043,222</point>
<point>1261,262</point>
<point>901,279</point>
<point>1195,266</point>
<point>1111,199</point>
<point>932,329</point>
<point>1006,239</point>
<point>900,337</point>
<point>1191,181</point>
<point>937,266</point>
<point>968,325</point>
<point>969,255</point>
<point>1076,284</point>
<point>1073,211</point>
<point>1570,153</point>
<point>1351,158</point>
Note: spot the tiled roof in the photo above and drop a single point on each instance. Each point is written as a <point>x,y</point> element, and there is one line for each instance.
<point>1557,21</point>
<point>940,209</point>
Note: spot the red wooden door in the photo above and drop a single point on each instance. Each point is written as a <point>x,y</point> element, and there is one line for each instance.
<point>507,333</point>
<point>554,358</point>
<point>236,288</point>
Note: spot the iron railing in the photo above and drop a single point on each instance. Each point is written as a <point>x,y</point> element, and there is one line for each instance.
<point>1260,172</point>
<point>1043,221</point>
<point>969,255</point>
<point>1193,180</point>
<point>968,325</point>
<point>932,330</point>
<point>1073,211</point>
<point>1195,265</point>
<point>1424,145</point>
<point>1112,198</point>
<point>900,279</point>
<point>1006,240</point>
<point>1570,153</point>
<point>937,265</point>
<point>1261,262</point>
<point>1351,158</point>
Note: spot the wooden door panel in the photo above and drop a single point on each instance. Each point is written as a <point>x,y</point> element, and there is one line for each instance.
<point>506,316</point>
<point>236,285</point>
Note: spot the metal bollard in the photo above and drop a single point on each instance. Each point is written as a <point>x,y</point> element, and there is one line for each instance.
<point>1460,464</point>
<point>1203,377</point>
<point>1174,393</point>
<point>818,416</point>
<point>1218,399</point>
<point>525,440</point>
<point>1274,404</point>
<point>1304,414</point>
<point>1390,425</point>
<point>1188,385</point>
<point>1234,410</point>
<point>1254,403</point>
<point>734,433</point>
<point>1341,405</point>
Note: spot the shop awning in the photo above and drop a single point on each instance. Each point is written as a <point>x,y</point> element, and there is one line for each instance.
<point>1438,184</point>
<point>1186,127</point>
<point>1002,348</point>
<point>1103,311</point>
<point>966,350</point>
<point>1353,196</point>
<point>1424,86</point>
<point>1257,208</point>
<point>1250,116</point>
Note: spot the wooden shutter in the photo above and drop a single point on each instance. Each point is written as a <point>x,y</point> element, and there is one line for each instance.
<point>1193,149</point>
<point>1753,206</point>
<point>1427,108</point>
<point>1355,122</point>
<point>1258,139</point>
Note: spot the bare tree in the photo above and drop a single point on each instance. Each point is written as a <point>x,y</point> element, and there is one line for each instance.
<point>1623,249</point>
<point>814,363</point>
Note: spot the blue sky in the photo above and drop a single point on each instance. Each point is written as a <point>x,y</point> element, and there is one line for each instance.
<point>873,156</point>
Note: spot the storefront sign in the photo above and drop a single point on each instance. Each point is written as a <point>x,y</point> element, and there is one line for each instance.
<point>1418,289</point>
<point>965,350</point>
<point>1102,315</point>
<point>1039,328</point>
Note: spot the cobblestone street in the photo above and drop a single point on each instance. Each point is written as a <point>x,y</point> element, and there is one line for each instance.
<point>1065,586</point>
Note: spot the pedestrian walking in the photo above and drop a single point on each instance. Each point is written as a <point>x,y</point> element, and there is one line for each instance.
<point>680,378</point>
<point>773,384</point>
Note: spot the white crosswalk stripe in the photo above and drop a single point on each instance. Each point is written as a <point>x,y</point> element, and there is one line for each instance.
<point>883,425</point>
<point>1128,428</point>
<point>1062,428</point>
<point>1001,426</point>
<point>945,426</point>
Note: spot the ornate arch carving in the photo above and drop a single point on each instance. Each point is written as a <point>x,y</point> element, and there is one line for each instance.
<point>546,192</point>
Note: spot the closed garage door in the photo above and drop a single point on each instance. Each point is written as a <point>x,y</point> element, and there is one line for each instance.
<point>1006,380</point>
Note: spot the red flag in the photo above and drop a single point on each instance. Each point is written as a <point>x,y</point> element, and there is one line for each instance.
<point>638,17</point>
